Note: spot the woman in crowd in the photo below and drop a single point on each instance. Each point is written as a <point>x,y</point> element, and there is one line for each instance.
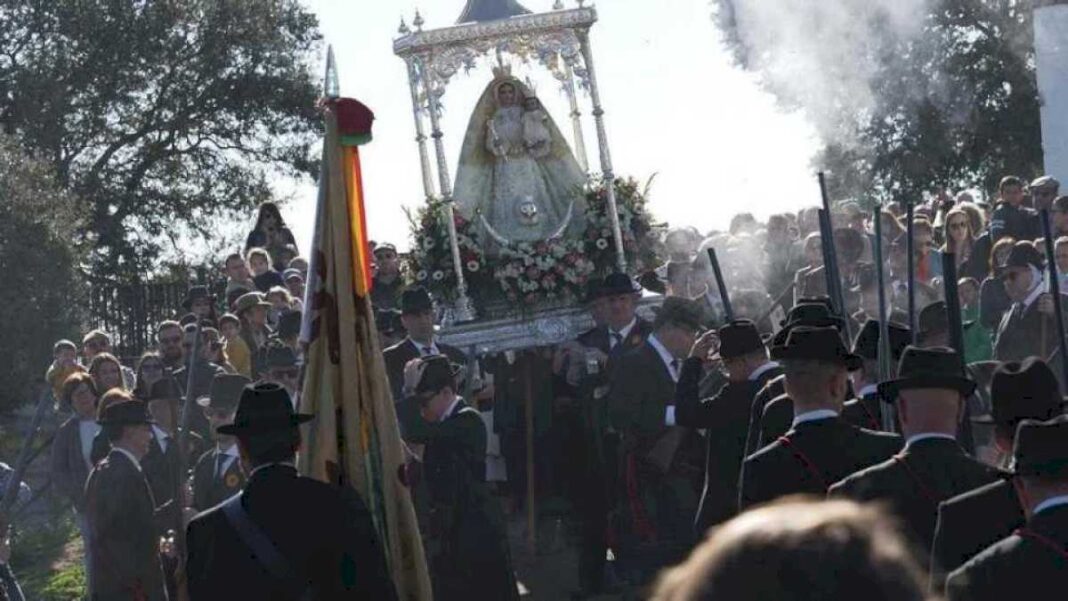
<point>71,447</point>
<point>993,299</point>
<point>928,258</point>
<point>960,240</point>
<point>813,256</point>
<point>106,372</point>
<point>149,371</point>
<point>270,232</point>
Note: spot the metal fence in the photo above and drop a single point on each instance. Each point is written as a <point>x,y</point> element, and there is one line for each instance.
<point>129,313</point>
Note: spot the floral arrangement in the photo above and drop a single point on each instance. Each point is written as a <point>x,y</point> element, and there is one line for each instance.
<point>527,275</point>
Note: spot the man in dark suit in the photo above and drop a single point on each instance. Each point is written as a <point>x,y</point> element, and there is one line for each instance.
<point>417,314</point>
<point>467,547</point>
<point>724,417</point>
<point>217,475</point>
<point>590,361</point>
<point>284,536</point>
<point>866,411</point>
<point>161,463</point>
<point>124,540</point>
<point>663,462</point>
<point>973,521</point>
<point>203,373</point>
<point>1029,563</point>
<point>810,312</point>
<point>929,394</point>
<point>820,448</point>
<point>1027,327</point>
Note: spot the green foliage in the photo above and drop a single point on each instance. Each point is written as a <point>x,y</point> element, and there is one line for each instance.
<point>160,113</point>
<point>39,260</point>
<point>47,559</point>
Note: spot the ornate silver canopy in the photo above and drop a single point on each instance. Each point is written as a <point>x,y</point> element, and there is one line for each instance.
<point>558,40</point>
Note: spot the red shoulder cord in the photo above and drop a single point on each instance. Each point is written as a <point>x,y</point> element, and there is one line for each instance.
<point>1045,541</point>
<point>924,490</point>
<point>808,463</point>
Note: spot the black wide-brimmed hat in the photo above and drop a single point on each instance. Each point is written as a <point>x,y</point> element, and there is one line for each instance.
<point>681,312</point>
<point>619,283</point>
<point>739,338</point>
<point>866,344</point>
<point>936,367</point>
<point>431,374</point>
<point>225,391</point>
<point>1022,254</point>
<point>125,413</point>
<point>1041,448</point>
<point>814,314</point>
<point>416,300</point>
<point>823,344</point>
<point>196,293</point>
<point>933,319</point>
<point>164,389</point>
<point>1022,390</point>
<point>279,354</point>
<point>264,407</point>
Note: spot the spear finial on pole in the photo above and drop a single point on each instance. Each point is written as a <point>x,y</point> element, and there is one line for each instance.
<point>331,87</point>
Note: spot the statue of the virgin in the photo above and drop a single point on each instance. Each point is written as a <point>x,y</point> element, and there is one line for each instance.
<point>518,178</point>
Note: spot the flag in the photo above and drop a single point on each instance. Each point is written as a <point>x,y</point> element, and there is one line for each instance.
<point>354,440</point>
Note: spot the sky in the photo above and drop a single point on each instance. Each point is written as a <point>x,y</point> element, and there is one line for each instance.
<point>676,107</point>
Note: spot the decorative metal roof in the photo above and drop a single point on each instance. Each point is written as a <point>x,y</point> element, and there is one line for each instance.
<point>480,11</point>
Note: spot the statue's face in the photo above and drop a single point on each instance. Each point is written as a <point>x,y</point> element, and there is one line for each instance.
<point>506,95</point>
<point>528,212</point>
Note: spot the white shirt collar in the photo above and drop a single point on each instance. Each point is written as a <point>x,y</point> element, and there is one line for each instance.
<point>136,463</point>
<point>867,390</point>
<point>230,451</point>
<point>625,331</point>
<point>927,436</point>
<point>419,346</point>
<point>1050,503</point>
<point>815,415</point>
<point>753,377</point>
<point>449,411</point>
<point>665,356</point>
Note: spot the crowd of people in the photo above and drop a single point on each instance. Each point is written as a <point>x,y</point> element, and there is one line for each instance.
<point>665,446</point>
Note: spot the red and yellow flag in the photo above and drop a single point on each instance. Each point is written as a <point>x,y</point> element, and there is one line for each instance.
<point>354,440</point>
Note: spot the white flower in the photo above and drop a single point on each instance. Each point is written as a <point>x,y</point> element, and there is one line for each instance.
<point>439,275</point>
<point>602,243</point>
<point>472,266</point>
<point>421,275</point>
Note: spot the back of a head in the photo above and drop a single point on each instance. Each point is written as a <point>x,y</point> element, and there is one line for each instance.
<point>799,550</point>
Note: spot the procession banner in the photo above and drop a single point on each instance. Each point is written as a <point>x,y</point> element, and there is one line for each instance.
<point>354,440</point>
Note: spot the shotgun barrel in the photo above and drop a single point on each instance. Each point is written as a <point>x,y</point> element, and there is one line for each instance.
<point>725,296</point>
<point>1055,292</point>
<point>910,257</point>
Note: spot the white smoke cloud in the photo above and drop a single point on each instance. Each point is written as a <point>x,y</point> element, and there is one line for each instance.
<point>823,56</point>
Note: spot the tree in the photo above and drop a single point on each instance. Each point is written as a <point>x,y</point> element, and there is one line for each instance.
<point>156,113</point>
<point>39,258</point>
<point>954,102</point>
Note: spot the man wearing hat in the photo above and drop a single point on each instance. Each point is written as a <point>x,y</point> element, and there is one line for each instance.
<point>668,459</point>
<point>198,301</point>
<point>417,315</point>
<point>387,284</point>
<point>467,546</point>
<point>809,311</point>
<point>124,540</point>
<point>724,417</point>
<point>929,394</point>
<point>160,464</point>
<point>283,368</point>
<point>866,410</point>
<point>1027,328</point>
<point>973,521</point>
<point>294,280</point>
<point>1030,563</point>
<point>820,448</point>
<point>217,475</point>
<point>284,536</point>
<point>244,350</point>
<point>1043,190</point>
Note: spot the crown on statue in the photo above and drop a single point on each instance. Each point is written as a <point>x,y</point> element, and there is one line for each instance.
<point>502,71</point>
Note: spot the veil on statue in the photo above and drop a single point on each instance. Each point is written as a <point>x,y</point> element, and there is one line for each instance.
<point>474,186</point>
